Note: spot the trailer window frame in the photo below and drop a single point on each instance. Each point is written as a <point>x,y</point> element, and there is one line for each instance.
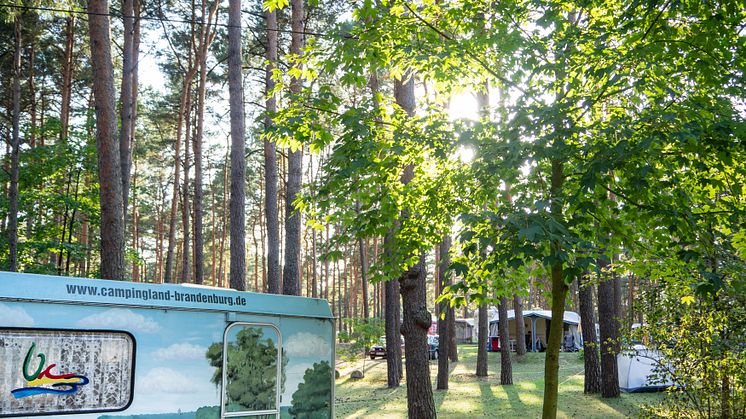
<point>132,370</point>
<point>224,378</point>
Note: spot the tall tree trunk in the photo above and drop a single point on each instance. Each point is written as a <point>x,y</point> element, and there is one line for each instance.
<point>590,348</point>
<point>520,326</point>
<point>125,97</point>
<point>506,367</point>
<point>238,159</point>
<point>607,330</point>
<point>559,293</point>
<point>134,223</point>
<point>270,164</point>
<point>206,36</point>
<point>416,319</point>
<point>364,276</point>
<point>291,271</point>
<point>186,266</point>
<point>15,151</point>
<point>109,164</point>
<point>393,325</point>
<point>68,66</point>
<point>482,334</point>
<point>446,314</point>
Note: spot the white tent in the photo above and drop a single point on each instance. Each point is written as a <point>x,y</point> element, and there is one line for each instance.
<point>638,370</point>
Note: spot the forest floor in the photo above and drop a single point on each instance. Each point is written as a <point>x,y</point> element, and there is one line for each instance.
<point>472,397</point>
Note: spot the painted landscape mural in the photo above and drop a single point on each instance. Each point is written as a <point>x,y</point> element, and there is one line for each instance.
<point>178,367</point>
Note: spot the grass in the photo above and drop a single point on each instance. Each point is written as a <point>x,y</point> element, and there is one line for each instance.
<point>469,396</point>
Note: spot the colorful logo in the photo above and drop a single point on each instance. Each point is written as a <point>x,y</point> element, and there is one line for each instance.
<point>43,381</point>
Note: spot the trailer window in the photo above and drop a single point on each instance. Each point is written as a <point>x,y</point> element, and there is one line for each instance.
<point>53,372</point>
<point>251,370</point>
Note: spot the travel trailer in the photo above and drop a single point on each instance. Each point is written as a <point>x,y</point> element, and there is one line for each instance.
<point>105,349</point>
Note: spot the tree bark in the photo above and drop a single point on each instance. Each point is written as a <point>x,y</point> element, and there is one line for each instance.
<point>559,293</point>
<point>506,368</point>
<point>109,164</point>
<point>590,348</point>
<point>520,326</point>
<point>15,150</point>
<point>482,334</point>
<point>206,37</point>
<point>393,324</point>
<point>186,266</point>
<point>364,276</point>
<point>607,330</point>
<point>126,97</point>
<point>238,159</point>
<point>446,315</point>
<point>291,271</point>
<point>270,164</point>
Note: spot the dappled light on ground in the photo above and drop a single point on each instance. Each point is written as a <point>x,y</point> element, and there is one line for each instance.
<point>470,396</point>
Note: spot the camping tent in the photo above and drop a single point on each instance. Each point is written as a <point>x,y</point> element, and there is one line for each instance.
<point>536,324</point>
<point>638,370</point>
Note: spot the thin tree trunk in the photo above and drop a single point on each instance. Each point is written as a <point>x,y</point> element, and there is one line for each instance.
<point>15,151</point>
<point>125,98</point>
<point>186,273</point>
<point>364,276</point>
<point>590,348</point>
<point>134,222</point>
<point>109,164</point>
<point>482,334</point>
<point>238,159</point>
<point>270,163</point>
<point>206,37</point>
<point>506,367</point>
<point>446,314</point>
<point>393,324</point>
<point>68,66</point>
<point>559,293</point>
<point>520,329</point>
<point>291,271</point>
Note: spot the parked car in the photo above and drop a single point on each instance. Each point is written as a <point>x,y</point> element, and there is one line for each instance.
<point>433,343</point>
<point>379,350</point>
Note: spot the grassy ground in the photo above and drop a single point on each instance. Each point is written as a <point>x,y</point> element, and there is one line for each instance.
<point>470,397</point>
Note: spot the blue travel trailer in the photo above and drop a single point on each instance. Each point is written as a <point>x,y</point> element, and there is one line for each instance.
<point>91,348</point>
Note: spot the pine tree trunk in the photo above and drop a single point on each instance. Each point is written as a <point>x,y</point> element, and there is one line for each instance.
<point>206,37</point>
<point>68,66</point>
<point>125,97</point>
<point>134,223</point>
<point>291,271</point>
<point>15,151</point>
<point>186,267</point>
<point>590,348</point>
<point>446,314</point>
<point>520,329</point>
<point>109,164</point>
<point>364,276</point>
<point>270,164</point>
<point>607,323</point>
<point>238,159</point>
<point>392,322</point>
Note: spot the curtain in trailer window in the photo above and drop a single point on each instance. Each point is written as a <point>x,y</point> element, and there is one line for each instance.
<point>50,372</point>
